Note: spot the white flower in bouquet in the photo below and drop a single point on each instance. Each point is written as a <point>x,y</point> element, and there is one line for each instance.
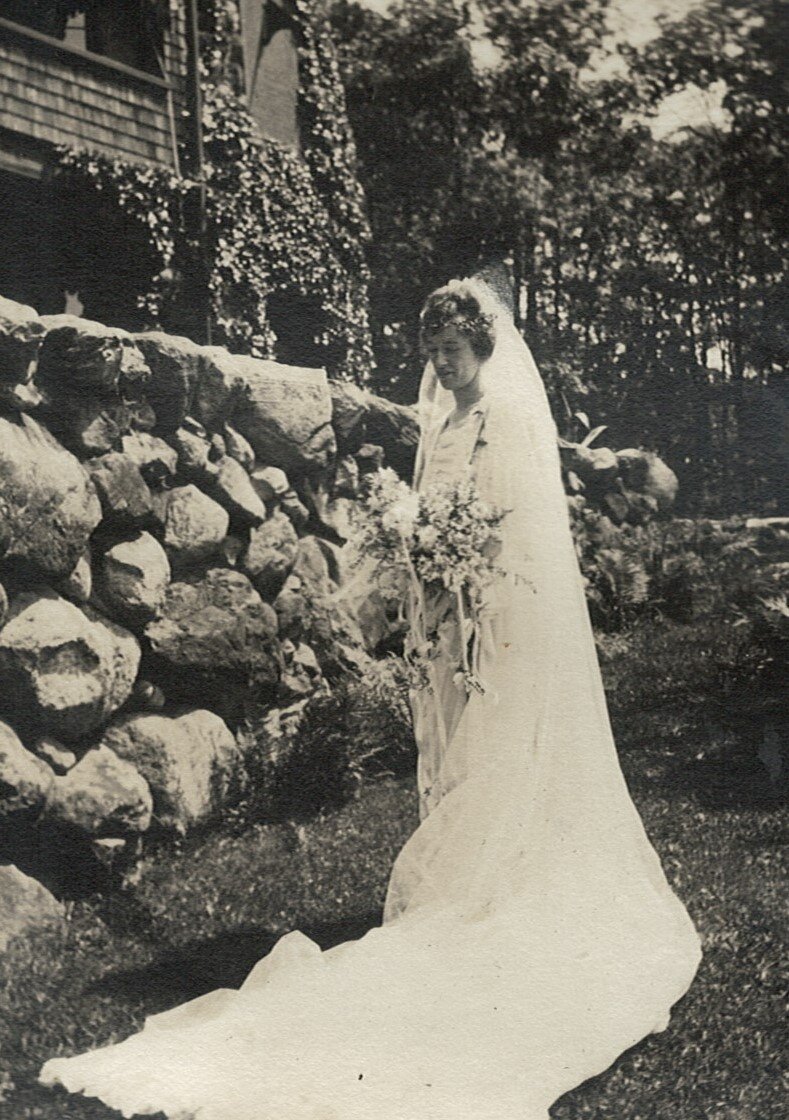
<point>444,538</point>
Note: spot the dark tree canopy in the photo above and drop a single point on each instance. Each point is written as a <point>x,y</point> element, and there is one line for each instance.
<point>651,268</point>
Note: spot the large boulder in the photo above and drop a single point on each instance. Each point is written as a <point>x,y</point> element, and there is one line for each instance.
<point>93,379</point>
<point>270,554</point>
<point>103,795</point>
<point>195,526</point>
<point>196,457</point>
<point>221,388</point>
<point>123,492</point>
<point>395,428</point>
<point>25,905</point>
<point>312,567</point>
<point>350,407</point>
<point>155,459</point>
<point>55,754</point>
<point>597,467</point>
<point>346,478</point>
<point>283,411</point>
<point>19,398</point>
<point>238,448</point>
<point>271,484</point>
<point>79,355</point>
<point>78,584</point>
<point>645,473</point>
<point>189,761</point>
<point>133,578</point>
<point>25,780</point>
<point>308,612</point>
<point>301,676</point>
<point>21,335</point>
<point>216,643</point>
<point>175,364</point>
<point>65,669</point>
<point>48,506</point>
<point>234,491</point>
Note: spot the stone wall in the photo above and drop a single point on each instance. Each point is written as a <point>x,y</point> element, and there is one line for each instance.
<point>171,526</point>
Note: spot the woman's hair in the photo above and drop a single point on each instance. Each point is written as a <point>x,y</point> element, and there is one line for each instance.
<point>457,305</point>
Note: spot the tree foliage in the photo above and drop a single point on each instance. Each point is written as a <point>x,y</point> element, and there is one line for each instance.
<point>650,267</point>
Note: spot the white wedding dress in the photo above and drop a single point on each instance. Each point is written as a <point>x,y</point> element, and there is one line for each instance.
<point>530,936</point>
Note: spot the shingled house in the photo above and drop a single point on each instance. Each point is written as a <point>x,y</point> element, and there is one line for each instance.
<point>117,77</point>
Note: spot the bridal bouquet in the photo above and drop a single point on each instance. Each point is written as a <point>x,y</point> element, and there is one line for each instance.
<point>446,538</point>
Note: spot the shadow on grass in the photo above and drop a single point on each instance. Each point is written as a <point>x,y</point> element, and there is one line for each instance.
<point>219,962</point>
<point>730,772</point>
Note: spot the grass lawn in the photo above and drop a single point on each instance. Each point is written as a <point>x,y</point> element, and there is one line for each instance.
<point>199,918</point>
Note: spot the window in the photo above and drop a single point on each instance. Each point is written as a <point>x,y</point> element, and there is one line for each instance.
<point>271,67</point>
<point>128,31</point>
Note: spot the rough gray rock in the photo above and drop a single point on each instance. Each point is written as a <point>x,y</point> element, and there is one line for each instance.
<point>134,576</point>
<point>238,448</point>
<point>295,510</point>
<point>78,584</point>
<point>234,491</point>
<point>154,458</point>
<point>195,526</point>
<point>346,478</point>
<point>395,428</point>
<point>55,755</point>
<point>270,554</point>
<point>48,506</point>
<point>216,643</point>
<point>123,492</point>
<point>307,613</point>
<point>221,387</point>
<point>102,795</point>
<point>21,335</point>
<point>329,511</point>
<point>369,458</point>
<point>302,675</point>
<point>79,355</point>
<point>312,568</point>
<point>3,605</point>
<point>194,452</point>
<point>19,398</point>
<point>93,379</point>
<point>350,407</point>
<point>24,905</point>
<point>597,467</point>
<point>285,412</point>
<point>647,474</point>
<point>271,483</point>
<point>65,668</point>
<point>147,696</point>
<point>189,762</point>
<point>25,780</point>
<point>175,365</point>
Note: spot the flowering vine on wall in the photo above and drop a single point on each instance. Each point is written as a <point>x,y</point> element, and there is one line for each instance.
<point>282,230</point>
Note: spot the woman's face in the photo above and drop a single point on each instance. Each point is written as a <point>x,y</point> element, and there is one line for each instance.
<point>453,358</point>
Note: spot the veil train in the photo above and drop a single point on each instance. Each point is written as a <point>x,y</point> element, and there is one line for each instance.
<point>530,936</point>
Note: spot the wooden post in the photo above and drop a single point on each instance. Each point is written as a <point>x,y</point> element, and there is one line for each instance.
<point>195,93</point>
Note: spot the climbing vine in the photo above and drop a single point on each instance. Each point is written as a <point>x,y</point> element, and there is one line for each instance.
<point>281,229</point>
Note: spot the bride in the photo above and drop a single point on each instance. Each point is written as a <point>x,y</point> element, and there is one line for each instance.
<point>529,936</point>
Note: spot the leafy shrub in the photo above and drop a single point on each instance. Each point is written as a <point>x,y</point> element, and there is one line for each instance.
<point>316,755</point>
<point>764,608</point>
<point>677,568</point>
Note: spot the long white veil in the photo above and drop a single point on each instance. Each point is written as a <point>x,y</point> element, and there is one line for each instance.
<point>530,935</point>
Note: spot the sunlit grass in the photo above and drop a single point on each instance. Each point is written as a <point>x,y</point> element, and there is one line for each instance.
<point>199,917</point>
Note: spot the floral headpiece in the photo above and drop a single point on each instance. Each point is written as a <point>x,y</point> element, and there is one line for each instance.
<point>457,304</point>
